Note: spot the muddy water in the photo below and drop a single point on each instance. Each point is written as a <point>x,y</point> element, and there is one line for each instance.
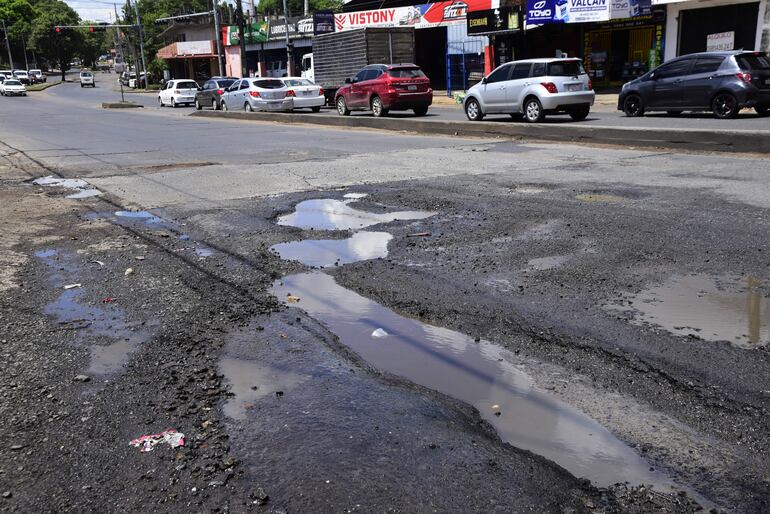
<point>329,252</point>
<point>329,214</point>
<point>727,308</point>
<point>481,374</point>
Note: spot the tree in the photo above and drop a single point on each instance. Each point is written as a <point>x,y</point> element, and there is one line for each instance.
<point>297,7</point>
<point>57,47</point>
<point>18,16</point>
<point>94,45</point>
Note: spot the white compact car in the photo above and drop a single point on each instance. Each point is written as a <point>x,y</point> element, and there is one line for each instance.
<point>267,94</point>
<point>306,95</point>
<point>87,79</point>
<point>178,92</point>
<point>532,88</point>
<point>12,87</point>
<point>22,76</point>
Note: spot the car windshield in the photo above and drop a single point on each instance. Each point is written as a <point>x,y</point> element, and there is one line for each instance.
<point>187,85</point>
<point>12,83</point>
<point>85,74</point>
<point>20,73</point>
<point>753,62</point>
<point>565,68</point>
<point>298,82</point>
<point>268,84</point>
<point>405,73</point>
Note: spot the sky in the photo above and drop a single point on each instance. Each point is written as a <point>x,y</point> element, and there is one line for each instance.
<point>95,10</point>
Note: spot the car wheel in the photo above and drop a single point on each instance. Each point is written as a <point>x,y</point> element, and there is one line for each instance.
<point>198,105</point>
<point>214,105</point>
<point>173,102</point>
<point>378,109</point>
<point>762,110</point>
<point>247,107</point>
<point>160,102</point>
<point>342,107</point>
<point>473,110</point>
<point>421,111</point>
<point>533,110</point>
<point>674,113</point>
<point>725,106</point>
<point>316,109</point>
<point>224,106</point>
<point>633,106</point>
<point>579,114</point>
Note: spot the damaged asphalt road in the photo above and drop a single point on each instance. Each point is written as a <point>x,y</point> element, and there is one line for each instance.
<point>621,288</point>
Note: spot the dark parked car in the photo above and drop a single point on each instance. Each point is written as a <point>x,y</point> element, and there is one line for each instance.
<point>210,95</point>
<point>382,88</point>
<point>720,82</point>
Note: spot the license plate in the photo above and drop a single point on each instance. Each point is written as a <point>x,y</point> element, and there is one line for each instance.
<point>307,93</point>
<point>575,87</point>
<point>274,104</point>
<point>412,88</point>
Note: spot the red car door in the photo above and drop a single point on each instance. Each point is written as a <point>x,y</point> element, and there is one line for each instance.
<point>357,89</point>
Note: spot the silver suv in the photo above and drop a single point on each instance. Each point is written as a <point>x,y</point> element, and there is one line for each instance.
<point>532,88</point>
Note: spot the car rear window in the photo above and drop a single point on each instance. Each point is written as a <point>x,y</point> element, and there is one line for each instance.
<point>753,61</point>
<point>405,73</point>
<point>85,74</point>
<point>224,83</point>
<point>187,85</point>
<point>298,82</point>
<point>565,69</point>
<point>268,84</point>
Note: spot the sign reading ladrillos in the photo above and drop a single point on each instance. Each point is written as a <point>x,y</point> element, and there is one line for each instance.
<point>582,11</point>
<point>417,16</point>
<point>252,33</point>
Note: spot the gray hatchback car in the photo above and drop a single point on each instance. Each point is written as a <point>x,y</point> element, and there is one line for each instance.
<point>532,88</point>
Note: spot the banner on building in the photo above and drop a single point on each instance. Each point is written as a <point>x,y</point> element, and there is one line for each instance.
<point>494,20</point>
<point>298,28</point>
<point>252,33</point>
<point>720,41</point>
<point>418,16</point>
<point>583,11</point>
<point>323,22</point>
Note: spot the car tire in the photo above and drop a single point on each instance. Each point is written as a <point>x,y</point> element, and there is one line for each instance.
<point>473,110</point>
<point>316,109</point>
<point>674,113</point>
<point>378,109</point>
<point>214,104</point>
<point>173,103</point>
<point>633,107</point>
<point>421,111</point>
<point>247,107</point>
<point>160,102</point>
<point>224,107</point>
<point>533,110</point>
<point>198,105</point>
<point>579,113</point>
<point>762,110</point>
<point>724,106</point>
<point>342,107</point>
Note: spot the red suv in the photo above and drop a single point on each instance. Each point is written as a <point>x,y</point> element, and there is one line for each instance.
<point>382,88</point>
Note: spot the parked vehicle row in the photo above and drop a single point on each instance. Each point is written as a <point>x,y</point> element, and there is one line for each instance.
<point>27,78</point>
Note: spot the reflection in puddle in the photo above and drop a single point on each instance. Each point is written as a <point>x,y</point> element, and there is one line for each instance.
<point>328,214</point>
<point>325,252</point>
<point>82,188</point>
<point>145,216</point>
<point>713,308</point>
<point>250,381</point>
<point>481,374</point>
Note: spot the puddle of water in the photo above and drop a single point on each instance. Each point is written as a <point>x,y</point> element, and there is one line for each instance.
<point>727,308</point>
<point>249,381</point>
<point>329,214</point>
<point>145,216</point>
<point>481,374</point>
<point>83,189</point>
<point>204,252</point>
<point>324,252</point>
<point>355,196</point>
<point>550,262</point>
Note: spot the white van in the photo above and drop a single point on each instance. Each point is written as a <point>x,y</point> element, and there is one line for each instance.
<point>87,79</point>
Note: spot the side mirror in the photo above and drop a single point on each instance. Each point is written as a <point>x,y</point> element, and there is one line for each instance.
<point>484,80</point>
<point>653,76</point>
<point>348,81</point>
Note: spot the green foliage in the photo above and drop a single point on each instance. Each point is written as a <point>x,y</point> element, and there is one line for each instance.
<point>18,16</point>
<point>55,47</point>
<point>296,7</point>
<point>94,44</point>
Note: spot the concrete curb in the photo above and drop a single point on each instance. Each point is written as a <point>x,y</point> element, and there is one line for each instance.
<point>121,105</point>
<point>676,139</point>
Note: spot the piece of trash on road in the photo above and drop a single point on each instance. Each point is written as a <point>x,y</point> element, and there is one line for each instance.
<point>129,271</point>
<point>109,299</point>
<point>100,263</point>
<point>139,257</point>
<point>147,443</point>
<point>379,333</point>
<point>292,299</point>
<point>419,234</point>
<point>72,286</point>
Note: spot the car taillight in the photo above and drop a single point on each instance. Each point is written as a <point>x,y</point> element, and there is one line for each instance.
<point>290,92</point>
<point>746,77</point>
<point>320,92</point>
<point>220,91</point>
<point>590,85</point>
<point>550,87</point>
<point>254,94</point>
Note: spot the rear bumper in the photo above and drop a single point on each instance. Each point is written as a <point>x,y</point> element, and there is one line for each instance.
<point>309,101</point>
<point>404,101</point>
<point>271,105</point>
<point>15,93</point>
<point>561,101</point>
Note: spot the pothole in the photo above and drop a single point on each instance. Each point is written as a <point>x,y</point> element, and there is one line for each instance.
<point>81,188</point>
<point>330,214</point>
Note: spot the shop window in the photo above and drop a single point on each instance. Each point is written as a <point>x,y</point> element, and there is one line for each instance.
<point>500,74</point>
<point>520,71</point>
<point>707,64</point>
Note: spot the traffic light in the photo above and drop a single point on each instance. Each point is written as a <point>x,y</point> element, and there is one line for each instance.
<point>58,30</point>
<point>96,28</point>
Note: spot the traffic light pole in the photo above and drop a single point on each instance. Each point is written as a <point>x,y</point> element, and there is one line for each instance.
<point>8,46</point>
<point>141,48</point>
<point>218,30</point>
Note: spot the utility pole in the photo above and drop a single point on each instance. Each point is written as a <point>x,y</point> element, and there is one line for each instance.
<point>8,46</point>
<point>24,47</point>
<point>218,30</point>
<point>307,7</point>
<point>289,49</point>
<point>241,37</point>
<point>141,46</point>
<point>131,45</point>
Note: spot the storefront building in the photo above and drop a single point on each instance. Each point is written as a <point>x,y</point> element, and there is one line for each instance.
<point>191,51</point>
<point>701,25</point>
